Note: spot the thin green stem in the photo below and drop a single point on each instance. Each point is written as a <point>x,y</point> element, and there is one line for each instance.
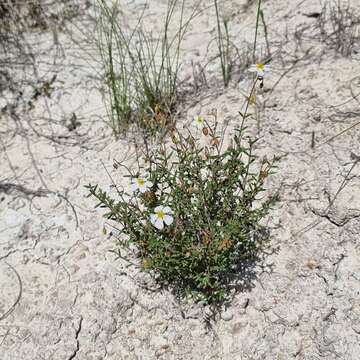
<point>221,46</point>
<point>249,99</point>
<point>266,34</point>
<point>256,30</point>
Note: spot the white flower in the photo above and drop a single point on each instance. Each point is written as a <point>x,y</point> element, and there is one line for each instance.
<point>162,215</point>
<point>199,121</point>
<point>140,184</point>
<point>260,69</point>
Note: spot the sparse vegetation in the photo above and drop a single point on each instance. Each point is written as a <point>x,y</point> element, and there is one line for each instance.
<point>195,209</point>
<point>18,20</point>
<point>339,26</point>
<point>224,45</point>
<point>197,256</point>
<point>141,69</point>
<point>235,59</point>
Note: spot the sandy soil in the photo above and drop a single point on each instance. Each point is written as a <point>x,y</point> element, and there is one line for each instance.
<point>63,294</point>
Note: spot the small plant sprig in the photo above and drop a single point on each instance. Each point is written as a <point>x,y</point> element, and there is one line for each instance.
<point>193,216</point>
<point>141,68</point>
<point>228,52</point>
<point>224,45</point>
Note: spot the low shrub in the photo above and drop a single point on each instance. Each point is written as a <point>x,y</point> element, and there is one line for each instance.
<point>193,209</point>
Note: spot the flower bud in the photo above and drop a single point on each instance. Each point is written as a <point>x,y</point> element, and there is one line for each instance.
<point>205,131</point>
<point>215,142</point>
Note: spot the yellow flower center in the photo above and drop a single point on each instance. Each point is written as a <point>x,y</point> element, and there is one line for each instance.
<point>260,66</point>
<point>160,215</point>
<point>140,181</point>
<point>199,119</point>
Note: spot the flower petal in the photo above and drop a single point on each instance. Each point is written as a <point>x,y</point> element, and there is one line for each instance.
<point>167,210</point>
<point>158,208</point>
<point>142,188</point>
<point>153,219</point>
<point>168,219</point>
<point>260,72</point>
<point>133,187</point>
<point>252,68</point>
<point>159,224</point>
<point>148,184</point>
<point>267,68</point>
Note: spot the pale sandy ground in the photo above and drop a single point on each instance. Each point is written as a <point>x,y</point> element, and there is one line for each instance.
<point>62,294</point>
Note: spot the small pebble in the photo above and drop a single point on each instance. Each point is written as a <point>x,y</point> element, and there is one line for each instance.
<point>227,315</point>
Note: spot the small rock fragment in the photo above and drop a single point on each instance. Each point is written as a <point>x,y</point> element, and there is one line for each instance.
<point>227,315</point>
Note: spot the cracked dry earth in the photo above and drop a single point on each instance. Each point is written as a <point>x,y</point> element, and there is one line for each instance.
<point>64,296</point>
